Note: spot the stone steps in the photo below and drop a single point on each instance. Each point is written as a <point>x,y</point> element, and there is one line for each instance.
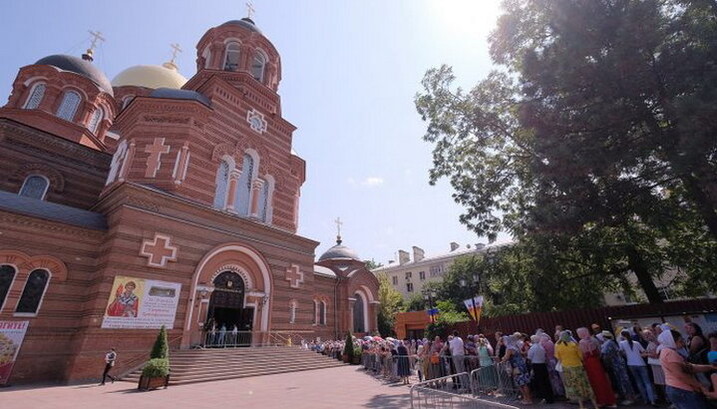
<point>189,366</point>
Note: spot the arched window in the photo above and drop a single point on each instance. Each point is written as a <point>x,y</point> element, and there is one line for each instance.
<point>7,274</point>
<point>68,106</point>
<point>316,312</point>
<point>222,183</point>
<point>293,306</point>
<point>35,186</point>
<point>33,101</point>
<point>359,321</point>
<point>322,313</point>
<point>207,56</point>
<point>264,200</point>
<point>126,100</point>
<point>244,185</point>
<point>231,59</point>
<point>95,120</point>
<point>258,62</point>
<point>33,292</point>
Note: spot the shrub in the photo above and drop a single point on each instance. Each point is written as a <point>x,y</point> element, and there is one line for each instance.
<point>156,368</point>
<point>349,346</point>
<point>161,347</point>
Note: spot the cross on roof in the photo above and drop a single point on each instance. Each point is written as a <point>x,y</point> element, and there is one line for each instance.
<point>339,223</point>
<point>250,9</point>
<point>158,250</point>
<point>96,36</point>
<point>175,50</point>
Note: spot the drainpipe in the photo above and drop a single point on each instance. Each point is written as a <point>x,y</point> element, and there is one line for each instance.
<point>336,307</point>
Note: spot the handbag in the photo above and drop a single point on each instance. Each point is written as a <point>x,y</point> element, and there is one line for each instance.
<point>435,360</point>
<point>559,367</point>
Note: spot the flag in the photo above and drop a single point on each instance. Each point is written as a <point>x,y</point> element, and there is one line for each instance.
<point>474,306</point>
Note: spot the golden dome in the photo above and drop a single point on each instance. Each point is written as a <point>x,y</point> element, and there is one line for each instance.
<point>150,76</point>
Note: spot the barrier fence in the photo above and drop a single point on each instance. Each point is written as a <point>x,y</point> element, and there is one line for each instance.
<point>438,394</point>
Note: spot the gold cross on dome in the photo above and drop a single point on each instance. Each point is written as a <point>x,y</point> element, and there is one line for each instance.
<point>96,36</point>
<point>339,223</point>
<point>175,50</point>
<point>250,9</point>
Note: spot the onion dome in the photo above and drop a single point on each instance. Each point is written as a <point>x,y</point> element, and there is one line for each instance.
<point>185,94</point>
<point>246,22</point>
<point>78,66</point>
<point>339,252</point>
<point>150,76</point>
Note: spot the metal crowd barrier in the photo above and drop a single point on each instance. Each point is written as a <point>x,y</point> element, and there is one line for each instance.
<point>494,380</point>
<point>227,339</point>
<point>435,394</point>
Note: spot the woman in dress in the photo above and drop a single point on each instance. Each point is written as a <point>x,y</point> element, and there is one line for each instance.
<point>404,365</point>
<point>590,349</point>
<point>521,372</point>
<point>615,364</point>
<point>488,375</point>
<point>555,381</point>
<point>577,386</point>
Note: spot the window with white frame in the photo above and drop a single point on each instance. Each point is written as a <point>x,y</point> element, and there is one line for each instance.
<point>222,185</point>
<point>422,275</point>
<point>68,106</point>
<point>409,287</point>
<point>395,280</point>
<point>322,313</point>
<point>264,199</point>
<point>436,270</point>
<point>258,63</point>
<point>7,275</point>
<point>34,291</point>
<point>408,275</point>
<point>95,120</point>
<point>35,97</point>
<point>293,306</point>
<point>244,185</point>
<point>231,56</point>
<point>35,186</point>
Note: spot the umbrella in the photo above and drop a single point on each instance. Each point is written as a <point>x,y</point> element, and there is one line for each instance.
<point>367,338</point>
<point>377,338</point>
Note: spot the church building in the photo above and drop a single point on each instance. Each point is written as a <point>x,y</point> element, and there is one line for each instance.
<point>155,200</point>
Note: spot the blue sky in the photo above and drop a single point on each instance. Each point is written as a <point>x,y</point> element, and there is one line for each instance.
<point>350,72</point>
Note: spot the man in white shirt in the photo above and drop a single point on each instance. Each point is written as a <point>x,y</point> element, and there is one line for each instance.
<point>541,378</point>
<point>458,355</point>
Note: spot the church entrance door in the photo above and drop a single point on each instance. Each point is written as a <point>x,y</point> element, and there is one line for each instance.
<point>231,322</point>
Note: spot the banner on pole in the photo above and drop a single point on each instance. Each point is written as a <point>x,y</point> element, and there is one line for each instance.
<point>474,306</point>
<point>12,334</point>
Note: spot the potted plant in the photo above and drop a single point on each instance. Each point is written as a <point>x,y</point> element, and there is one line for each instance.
<point>348,355</point>
<point>357,355</point>
<point>156,371</point>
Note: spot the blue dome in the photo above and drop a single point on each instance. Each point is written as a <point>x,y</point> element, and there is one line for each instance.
<point>246,22</point>
<point>78,66</point>
<point>171,93</point>
<point>339,252</point>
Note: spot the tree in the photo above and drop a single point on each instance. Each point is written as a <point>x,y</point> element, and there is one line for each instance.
<point>372,264</point>
<point>448,315</point>
<point>598,124</point>
<point>415,303</point>
<point>391,304</point>
<point>160,349</point>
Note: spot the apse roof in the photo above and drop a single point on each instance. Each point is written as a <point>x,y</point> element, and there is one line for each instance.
<point>171,93</point>
<point>51,211</point>
<point>78,66</point>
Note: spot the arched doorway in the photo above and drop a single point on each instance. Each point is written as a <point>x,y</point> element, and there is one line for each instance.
<point>359,313</point>
<point>228,320</point>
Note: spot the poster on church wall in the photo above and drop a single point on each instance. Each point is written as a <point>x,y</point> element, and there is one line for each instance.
<point>136,303</point>
<point>11,335</point>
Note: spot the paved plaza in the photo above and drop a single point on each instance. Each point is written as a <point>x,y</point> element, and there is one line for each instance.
<point>341,387</point>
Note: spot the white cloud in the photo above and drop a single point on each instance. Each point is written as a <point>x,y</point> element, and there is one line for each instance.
<point>372,181</point>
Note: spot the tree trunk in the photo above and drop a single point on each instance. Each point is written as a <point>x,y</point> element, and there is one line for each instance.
<point>638,266</point>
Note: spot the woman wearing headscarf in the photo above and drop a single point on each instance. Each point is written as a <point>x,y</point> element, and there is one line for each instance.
<point>653,360</point>
<point>403,370</point>
<point>539,366</point>
<point>590,349</point>
<point>682,388</point>
<point>638,369</point>
<point>615,364</point>
<point>521,373</point>
<point>577,386</point>
<point>555,381</point>
<point>488,375</point>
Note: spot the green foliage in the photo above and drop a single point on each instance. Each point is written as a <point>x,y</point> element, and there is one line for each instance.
<point>591,144</point>
<point>349,347</point>
<point>161,347</point>
<point>447,316</point>
<point>156,368</point>
<point>372,264</point>
<point>416,302</point>
<point>391,304</point>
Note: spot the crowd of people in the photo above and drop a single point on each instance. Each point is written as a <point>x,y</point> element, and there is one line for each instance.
<point>652,366</point>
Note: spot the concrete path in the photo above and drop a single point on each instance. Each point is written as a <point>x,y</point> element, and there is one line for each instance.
<point>342,387</point>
